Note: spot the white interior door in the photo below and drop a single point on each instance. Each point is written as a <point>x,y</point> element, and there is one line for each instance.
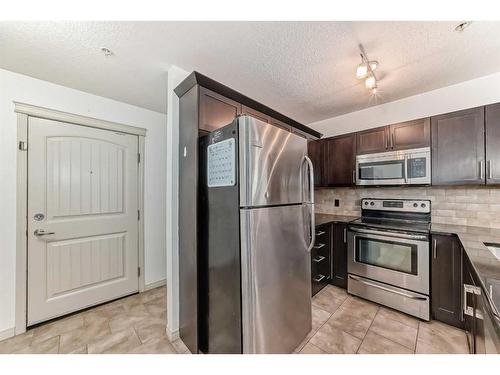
<point>82,191</point>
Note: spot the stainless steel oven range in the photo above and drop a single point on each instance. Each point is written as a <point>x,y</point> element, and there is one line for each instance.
<point>388,254</point>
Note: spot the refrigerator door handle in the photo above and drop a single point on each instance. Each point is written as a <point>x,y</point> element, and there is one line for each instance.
<point>311,203</point>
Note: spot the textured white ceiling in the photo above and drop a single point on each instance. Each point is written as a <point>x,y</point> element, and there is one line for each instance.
<point>305,70</point>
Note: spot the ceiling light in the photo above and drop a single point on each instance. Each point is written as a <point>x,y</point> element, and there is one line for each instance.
<point>107,52</point>
<point>365,70</point>
<point>370,82</point>
<point>361,71</point>
<point>462,26</point>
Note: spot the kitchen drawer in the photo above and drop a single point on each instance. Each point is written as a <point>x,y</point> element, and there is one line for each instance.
<point>320,258</point>
<point>321,248</point>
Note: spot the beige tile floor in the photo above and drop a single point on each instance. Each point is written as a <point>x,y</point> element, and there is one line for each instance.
<point>134,324</point>
<point>348,324</point>
<point>341,324</point>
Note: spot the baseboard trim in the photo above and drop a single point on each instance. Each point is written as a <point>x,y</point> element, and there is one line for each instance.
<point>154,285</point>
<point>10,332</point>
<point>172,335</point>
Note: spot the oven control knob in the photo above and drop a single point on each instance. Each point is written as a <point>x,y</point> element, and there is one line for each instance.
<point>366,203</point>
<point>422,205</point>
<point>372,203</point>
<point>415,205</point>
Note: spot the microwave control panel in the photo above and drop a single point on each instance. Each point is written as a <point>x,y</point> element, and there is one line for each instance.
<point>417,167</point>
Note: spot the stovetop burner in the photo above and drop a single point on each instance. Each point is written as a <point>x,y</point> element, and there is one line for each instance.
<point>406,215</point>
<point>393,224</point>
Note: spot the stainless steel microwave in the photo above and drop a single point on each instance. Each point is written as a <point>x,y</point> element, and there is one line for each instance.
<point>407,167</point>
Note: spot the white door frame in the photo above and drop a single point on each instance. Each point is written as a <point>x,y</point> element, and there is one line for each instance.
<point>24,111</point>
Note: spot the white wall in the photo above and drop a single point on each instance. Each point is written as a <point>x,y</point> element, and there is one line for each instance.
<point>473,93</point>
<point>175,76</point>
<point>25,89</point>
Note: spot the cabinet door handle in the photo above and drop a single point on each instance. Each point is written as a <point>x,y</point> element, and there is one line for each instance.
<point>345,234</point>
<point>434,246</point>
<point>481,169</point>
<point>392,140</point>
<point>318,278</point>
<point>318,259</point>
<point>386,142</point>
<point>490,169</point>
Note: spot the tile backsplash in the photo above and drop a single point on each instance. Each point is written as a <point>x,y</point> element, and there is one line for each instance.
<point>475,206</point>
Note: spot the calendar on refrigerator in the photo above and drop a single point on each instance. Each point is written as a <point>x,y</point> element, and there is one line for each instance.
<point>221,163</point>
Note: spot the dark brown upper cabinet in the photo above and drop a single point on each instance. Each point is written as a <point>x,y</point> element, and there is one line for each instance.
<point>410,134</point>
<point>316,152</point>
<point>446,280</point>
<point>492,114</point>
<point>216,110</point>
<point>401,136</point>
<point>373,140</point>
<point>458,155</point>
<point>339,163</point>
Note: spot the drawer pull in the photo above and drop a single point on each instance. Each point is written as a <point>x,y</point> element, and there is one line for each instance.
<point>318,259</point>
<point>318,278</point>
<point>320,233</point>
<point>319,246</point>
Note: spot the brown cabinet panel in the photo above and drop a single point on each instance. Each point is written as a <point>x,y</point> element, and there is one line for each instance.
<point>316,152</point>
<point>216,110</point>
<point>446,280</point>
<point>410,134</point>
<point>492,122</point>
<point>256,114</point>
<point>458,148</point>
<point>373,140</point>
<point>340,160</point>
<point>339,255</point>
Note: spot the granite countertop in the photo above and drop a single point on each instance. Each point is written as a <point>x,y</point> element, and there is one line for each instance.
<point>330,218</point>
<point>486,264</point>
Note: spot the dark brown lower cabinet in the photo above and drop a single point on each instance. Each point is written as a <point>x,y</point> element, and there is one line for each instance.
<point>320,258</point>
<point>339,255</point>
<point>446,280</point>
<point>469,324</point>
<point>480,322</point>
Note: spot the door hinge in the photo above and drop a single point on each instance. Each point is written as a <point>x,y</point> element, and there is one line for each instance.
<point>138,215</point>
<point>138,157</point>
<point>138,271</point>
<point>23,146</point>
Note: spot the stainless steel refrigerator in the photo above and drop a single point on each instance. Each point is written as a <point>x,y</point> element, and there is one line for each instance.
<point>256,230</point>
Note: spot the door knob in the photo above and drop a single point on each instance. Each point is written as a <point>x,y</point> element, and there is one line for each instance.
<point>42,232</point>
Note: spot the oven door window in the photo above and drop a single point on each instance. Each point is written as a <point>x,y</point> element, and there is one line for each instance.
<point>382,170</point>
<point>392,255</point>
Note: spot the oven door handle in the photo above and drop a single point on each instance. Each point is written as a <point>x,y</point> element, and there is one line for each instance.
<point>389,234</point>
<point>407,295</point>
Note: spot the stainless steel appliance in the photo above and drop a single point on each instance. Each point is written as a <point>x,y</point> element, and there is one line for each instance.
<point>388,254</point>
<point>256,230</point>
<point>407,167</point>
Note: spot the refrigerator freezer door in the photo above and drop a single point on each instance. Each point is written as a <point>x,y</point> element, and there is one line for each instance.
<point>272,164</point>
<point>275,278</point>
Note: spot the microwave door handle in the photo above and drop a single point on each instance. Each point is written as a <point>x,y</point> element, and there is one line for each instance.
<point>311,203</point>
<point>406,168</point>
